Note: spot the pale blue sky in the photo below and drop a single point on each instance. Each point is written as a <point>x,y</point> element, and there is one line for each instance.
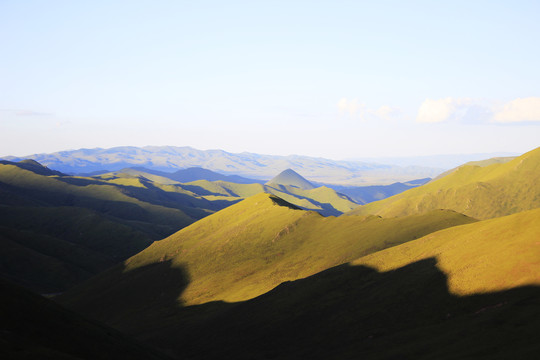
<point>338,79</point>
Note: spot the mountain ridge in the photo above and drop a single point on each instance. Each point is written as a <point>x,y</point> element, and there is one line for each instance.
<point>251,165</point>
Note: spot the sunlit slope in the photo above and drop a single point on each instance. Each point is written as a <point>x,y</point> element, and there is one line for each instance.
<point>241,252</point>
<point>480,192</point>
<point>467,292</point>
<point>489,255</point>
<point>33,327</point>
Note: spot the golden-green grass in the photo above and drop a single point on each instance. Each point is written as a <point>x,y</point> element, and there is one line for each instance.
<point>244,251</point>
<point>249,248</point>
<point>490,255</point>
<point>481,192</point>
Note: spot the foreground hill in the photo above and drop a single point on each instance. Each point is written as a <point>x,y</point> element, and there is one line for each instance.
<point>496,189</point>
<point>258,166</point>
<point>33,327</point>
<point>57,230</point>
<point>469,291</point>
<point>236,254</point>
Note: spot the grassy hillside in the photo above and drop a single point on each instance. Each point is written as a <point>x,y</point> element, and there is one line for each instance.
<point>490,255</point>
<point>482,192</point>
<point>469,291</point>
<point>239,253</point>
<point>58,230</point>
<point>33,327</point>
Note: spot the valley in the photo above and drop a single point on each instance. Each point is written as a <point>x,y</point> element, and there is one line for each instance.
<point>283,268</point>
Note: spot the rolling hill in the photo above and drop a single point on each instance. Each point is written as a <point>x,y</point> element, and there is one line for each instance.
<point>454,293</point>
<point>58,230</point>
<point>236,254</point>
<point>488,190</point>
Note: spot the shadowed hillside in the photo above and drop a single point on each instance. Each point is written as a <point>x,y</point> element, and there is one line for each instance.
<point>58,230</point>
<point>352,312</point>
<point>482,192</point>
<point>33,327</point>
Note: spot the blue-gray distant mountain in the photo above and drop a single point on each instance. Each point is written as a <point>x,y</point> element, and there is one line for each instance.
<point>257,166</point>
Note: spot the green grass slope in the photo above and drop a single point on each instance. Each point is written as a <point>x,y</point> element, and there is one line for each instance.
<point>238,253</point>
<point>466,292</point>
<point>33,327</point>
<point>75,227</point>
<point>481,192</point>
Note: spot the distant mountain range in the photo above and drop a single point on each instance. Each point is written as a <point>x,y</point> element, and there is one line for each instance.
<point>250,165</point>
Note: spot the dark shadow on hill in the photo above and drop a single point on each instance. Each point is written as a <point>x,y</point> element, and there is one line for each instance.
<point>355,312</point>
<point>33,327</point>
<point>131,300</point>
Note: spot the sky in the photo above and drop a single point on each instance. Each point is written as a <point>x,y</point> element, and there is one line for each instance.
<point>335,79</point>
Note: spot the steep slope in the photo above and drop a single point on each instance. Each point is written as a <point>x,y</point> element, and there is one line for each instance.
<point>491,255</point>
<point>238,253</point>
<point>469,291</point>
<point>479,191</point>
<point>292,178</point>
<point>33,327</point>
<point>74,227</point>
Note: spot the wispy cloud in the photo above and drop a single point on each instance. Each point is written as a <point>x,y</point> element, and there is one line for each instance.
<point>469,110</point>
<point>21,112</point>
<point>387,112</point>
<point>32,113</point>
<point>359,110</point>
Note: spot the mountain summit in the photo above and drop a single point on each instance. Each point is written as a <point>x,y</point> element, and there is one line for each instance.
<point>292,178</point>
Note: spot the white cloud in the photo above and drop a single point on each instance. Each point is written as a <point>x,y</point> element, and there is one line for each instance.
<point>479,111</point>
<point>518,110</point>
<point>440,110</point>
<point>352,107</point>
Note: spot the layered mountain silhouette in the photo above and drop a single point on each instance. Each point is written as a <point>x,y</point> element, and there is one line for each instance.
<point>250,165</point>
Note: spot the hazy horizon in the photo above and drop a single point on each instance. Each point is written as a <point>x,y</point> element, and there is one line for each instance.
<point>336,80</point>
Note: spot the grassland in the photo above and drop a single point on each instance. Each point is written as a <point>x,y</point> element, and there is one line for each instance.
<point>59,230</point>
<point>482,192</point>
<point>241,252</point>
